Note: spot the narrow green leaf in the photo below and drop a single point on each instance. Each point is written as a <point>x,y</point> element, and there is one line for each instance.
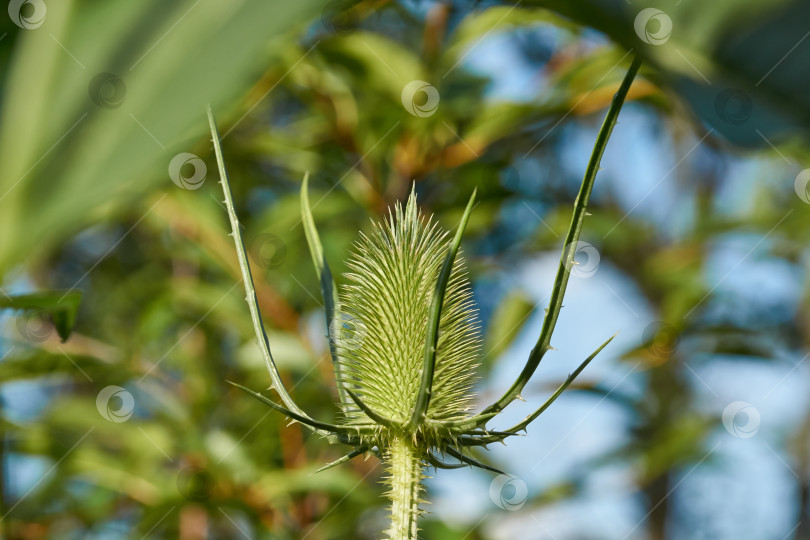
<point>307,421</point>
<point>327,281</point>
<point>473,462</point>
<point>436,462</point>
<point>465,424</point>
<point>247,277</point>
<point>380,419</point>
<point>61,305</point>
<point>344,459</point>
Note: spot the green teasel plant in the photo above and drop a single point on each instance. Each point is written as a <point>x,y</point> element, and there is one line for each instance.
<point>405,344</point>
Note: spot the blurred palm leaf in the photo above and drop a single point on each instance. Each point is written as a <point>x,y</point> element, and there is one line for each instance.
<point>101,97</point>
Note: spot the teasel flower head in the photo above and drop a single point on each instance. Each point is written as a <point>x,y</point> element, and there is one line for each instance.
<point>383,320</point>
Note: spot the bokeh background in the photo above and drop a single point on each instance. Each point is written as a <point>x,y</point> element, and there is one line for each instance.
<point>693,424</point>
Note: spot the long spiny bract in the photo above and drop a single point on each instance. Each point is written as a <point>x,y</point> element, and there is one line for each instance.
<point>392,277</point>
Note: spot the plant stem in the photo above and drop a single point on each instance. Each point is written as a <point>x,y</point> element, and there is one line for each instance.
<point>405,468</point>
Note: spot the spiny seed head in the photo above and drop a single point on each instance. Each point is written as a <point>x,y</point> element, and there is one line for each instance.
<point>383,319</point>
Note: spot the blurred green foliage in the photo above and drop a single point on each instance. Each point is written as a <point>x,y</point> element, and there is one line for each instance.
<point>86,203</point>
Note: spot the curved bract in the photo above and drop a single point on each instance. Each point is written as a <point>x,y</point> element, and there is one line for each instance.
<point>405,343</point>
